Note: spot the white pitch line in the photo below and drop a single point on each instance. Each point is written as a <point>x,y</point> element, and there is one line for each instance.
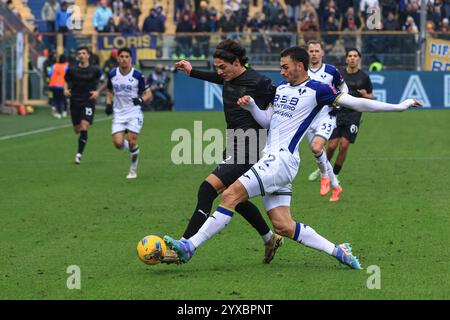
<point>27,133</point>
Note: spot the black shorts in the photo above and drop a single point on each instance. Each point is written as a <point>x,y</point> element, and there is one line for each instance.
<point>229,173</point>
<point>82,111</point>
<point>347,130</point>
<point>232,167</point>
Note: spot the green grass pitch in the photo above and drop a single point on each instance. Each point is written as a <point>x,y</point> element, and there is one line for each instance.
<point>395,210</point>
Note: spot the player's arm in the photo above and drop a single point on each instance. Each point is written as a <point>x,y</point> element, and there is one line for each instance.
<point>67,92</point>
<point>186,67</point>
<point>343,87</point>
<point>266,92</point>
<point>339,82</point>
<point>367,105</point>
<point>263,117</point>
<point>207,76</point>
<point>148,95</point>
<point>327,95</point>
<point>109,96</point>
<point>67,80</point>
<point>109,102</point>
<point>144,93</point>
<point>94,94</point>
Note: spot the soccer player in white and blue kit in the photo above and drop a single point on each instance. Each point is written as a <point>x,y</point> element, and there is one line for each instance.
<point>297,102</point>
<point>128,88</point>
<point>324,124</point>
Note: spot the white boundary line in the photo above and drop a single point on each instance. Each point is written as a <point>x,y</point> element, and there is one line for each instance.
<point>27,133</point>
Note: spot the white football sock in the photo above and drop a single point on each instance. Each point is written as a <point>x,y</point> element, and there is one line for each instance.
<point>267,236</point>
<point>333,178</point>
<point>310,238</point>
<point>216,222</point>
<point>125,145</point>
<point>134,158</point>
<point>322,164</point>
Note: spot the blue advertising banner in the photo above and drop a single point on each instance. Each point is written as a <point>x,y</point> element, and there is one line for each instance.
<point>431,88</point>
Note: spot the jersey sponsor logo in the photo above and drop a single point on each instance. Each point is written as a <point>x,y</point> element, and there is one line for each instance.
<point>283,113</point>
<point>123,88</point>
<point>292,101</point>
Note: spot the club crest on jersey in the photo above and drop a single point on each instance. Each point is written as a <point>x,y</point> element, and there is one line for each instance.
<point>301,91</point>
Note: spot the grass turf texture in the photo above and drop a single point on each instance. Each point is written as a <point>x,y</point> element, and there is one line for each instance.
<point>394,211</point>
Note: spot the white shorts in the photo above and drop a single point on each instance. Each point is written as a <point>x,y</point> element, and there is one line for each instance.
<point>271,177</point>
<point>133,123</point>
<point>322,125</point>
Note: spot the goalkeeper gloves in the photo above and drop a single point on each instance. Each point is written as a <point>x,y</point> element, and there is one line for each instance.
<point>109,109</point>
<point>138,101</point>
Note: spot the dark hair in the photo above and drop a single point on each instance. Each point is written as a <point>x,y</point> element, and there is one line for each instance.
<point>229,50</point>
<point>352,49</point>
<point>125,50</point>
<point>297,54</point>
<point>83,48</point>
<point>314,42</point>
<point>62,59</point>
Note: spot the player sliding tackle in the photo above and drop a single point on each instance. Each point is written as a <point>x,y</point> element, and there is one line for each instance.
<point>297,102</point>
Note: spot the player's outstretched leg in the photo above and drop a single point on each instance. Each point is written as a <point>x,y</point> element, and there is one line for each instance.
<point>181,247</point>
<point>307,236</point>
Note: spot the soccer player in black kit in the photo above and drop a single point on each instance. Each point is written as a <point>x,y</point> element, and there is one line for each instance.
<point>237,81</point>
<point>347,121</point>
<point>81,86</point>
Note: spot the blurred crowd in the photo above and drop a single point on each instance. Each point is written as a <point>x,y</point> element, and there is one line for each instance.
<point>274,24</point>
<point>276,15</point>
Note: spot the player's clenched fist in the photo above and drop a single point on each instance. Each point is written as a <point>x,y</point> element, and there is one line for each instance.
<point>242,101</point>
<point>184,66</point>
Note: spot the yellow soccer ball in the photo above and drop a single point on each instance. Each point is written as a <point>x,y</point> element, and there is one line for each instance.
<point>30,109</point>
<point>150,249</point>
